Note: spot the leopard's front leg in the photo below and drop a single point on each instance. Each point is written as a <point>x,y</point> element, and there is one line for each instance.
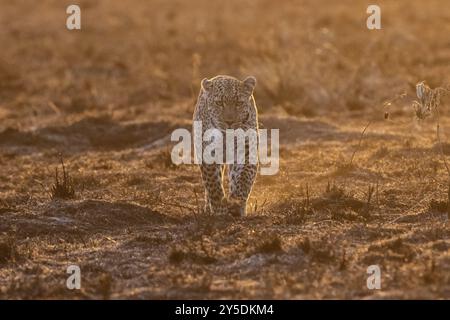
<point>241,177</point>
<point>215,201</point>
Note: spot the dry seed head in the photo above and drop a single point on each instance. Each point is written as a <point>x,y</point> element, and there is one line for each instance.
<point>420,89</point>
<point>428,100</point>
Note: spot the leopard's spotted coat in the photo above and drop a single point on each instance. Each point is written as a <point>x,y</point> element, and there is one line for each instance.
<point>224,103</point>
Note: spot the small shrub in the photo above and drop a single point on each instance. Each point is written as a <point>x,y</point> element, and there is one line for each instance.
<point>438,206</point>
<point>296,215</point>
<point>176,256</point>
<point>271,245</point>
<point>8,250</point>
<point>63,189</point>
<point>5,252</point>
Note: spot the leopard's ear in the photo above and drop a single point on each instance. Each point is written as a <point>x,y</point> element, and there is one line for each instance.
<point>207,85</point>
<point>249,84</point>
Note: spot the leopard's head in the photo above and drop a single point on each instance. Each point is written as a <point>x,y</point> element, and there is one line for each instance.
<point>229,100</point>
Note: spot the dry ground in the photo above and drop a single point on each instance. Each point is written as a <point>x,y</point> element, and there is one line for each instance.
<point>107,98</point>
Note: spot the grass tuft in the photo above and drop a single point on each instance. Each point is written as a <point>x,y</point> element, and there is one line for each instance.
<point>271,245</point>
<point>63,189</point>
<point>8,250</point>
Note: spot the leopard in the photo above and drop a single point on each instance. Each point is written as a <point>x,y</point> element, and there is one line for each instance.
<point>225,102</point>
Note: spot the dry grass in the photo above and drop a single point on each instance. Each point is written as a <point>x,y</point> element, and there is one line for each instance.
<point>63,189</point>
<point>348,195</point>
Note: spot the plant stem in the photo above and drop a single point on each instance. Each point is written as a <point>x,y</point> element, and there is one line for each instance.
<point>359,144</point>
<point>440,142</point>
<point>443,158</point>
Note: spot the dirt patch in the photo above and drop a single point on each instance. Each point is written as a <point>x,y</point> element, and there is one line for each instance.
<point>94,133</point>
<point>83,217</point>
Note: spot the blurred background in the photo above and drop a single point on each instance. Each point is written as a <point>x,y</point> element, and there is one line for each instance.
<point>310,57</point>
